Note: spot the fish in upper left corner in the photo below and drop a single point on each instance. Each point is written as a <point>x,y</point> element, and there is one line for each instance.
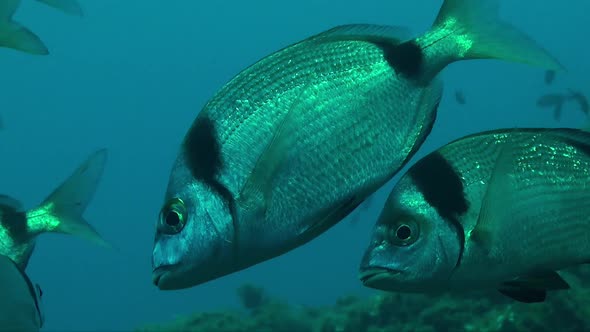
<point>15,36</point>
<point>500,210</point>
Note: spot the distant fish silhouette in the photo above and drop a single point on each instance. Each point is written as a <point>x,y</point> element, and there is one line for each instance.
<point>460,97</point>
<point>549,76</point>
<point>581,99</point>
<point>557,100</point>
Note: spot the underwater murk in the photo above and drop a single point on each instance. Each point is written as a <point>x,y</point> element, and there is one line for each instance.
<point>396,312</point>
<point>119,212</point>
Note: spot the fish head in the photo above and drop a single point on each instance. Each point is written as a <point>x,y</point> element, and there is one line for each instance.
<point>194,233</point>
<point>412,248</point>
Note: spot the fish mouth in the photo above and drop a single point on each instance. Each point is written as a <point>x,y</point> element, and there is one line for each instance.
<point>374,275</point>
<point>161,274</point>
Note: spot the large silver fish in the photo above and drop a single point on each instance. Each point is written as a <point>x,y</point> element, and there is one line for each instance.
<point>498,210</point>
<point>295,142</point>
<point>14,35</point>
<point>61,212</point>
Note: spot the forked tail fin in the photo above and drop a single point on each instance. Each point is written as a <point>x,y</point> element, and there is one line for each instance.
<point>62,211</point>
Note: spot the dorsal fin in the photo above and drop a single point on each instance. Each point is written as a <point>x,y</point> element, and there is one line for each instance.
<point>372,33</point>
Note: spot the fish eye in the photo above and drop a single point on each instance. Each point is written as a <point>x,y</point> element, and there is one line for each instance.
<point>172,219</point>
<point>405,233</point>
<point>173,216</point>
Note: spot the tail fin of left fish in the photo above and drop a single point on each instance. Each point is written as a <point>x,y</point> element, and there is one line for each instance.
<point>62,211</point>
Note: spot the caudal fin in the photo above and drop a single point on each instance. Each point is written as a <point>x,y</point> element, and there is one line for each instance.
<point>63,210</point>
<point>71,7</point>
<point>472,29</point>
<point>15,36</point>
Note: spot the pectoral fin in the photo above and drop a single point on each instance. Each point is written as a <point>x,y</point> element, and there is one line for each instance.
<point>255,194</point>
<point>497,198</point>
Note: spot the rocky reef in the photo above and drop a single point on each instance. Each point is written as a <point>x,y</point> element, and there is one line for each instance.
<point>392,312</point>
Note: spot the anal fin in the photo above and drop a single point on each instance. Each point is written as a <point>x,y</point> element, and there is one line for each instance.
<point>533,287</point>
<point>525,295</point>
<point>549,280</point>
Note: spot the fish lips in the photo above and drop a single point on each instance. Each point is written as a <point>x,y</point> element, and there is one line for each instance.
<point>162,277</point>
<point>179,276</point>
<point>379,277</point>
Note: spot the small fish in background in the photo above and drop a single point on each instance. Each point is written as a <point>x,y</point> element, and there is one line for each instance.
<point>61,212</point>
<point>502,209</point>
<point>20,301</point>
<point>558,100</point>
<point>555,101</point>
<point>459,97</point>
<point>581,100</point>
<point>15,36</point>
<point>549,76</point>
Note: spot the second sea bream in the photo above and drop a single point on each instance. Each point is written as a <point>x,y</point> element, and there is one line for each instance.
<point>503,209</point>
<point>292,144</point>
